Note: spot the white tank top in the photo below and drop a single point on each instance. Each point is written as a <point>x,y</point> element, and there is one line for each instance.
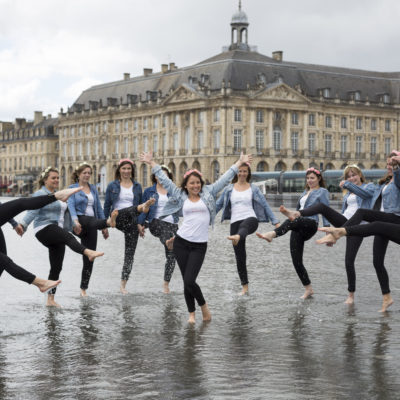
<point>196,219</point>
<point>125,198</point>
<point>241,205</point>
<point>352,206</point>
<point>162,201</point>
<point>303,201</point>
<point>90,205</point>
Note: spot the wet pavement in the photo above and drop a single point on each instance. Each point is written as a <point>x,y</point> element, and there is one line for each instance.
<point>268,345</point>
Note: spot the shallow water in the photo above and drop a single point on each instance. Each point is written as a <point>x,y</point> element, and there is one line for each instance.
<point>268,345</point>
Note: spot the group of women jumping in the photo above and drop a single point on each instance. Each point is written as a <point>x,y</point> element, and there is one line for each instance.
<point>60,217</point>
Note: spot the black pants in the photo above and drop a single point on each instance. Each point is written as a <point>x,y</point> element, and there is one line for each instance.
<point>303,229</point>
<point>127,223</point>
<point>384,231</point>
<point>164,231</point>
<point>190,257</point>
<point>3,247</point>
<point>353,243</point>
<point>55,239</point>
<point>9,210</point>
<point>243,228</point>
<point>88,237</point>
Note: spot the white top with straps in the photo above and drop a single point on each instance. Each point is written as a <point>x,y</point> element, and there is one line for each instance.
<point>196,219</point>
<point>242,205</point>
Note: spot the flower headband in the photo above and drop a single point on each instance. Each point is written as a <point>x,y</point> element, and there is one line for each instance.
<point>81,165</point>
<point>47,170</point>
<point>312,169</point>
<point>125,160</point>
<point>165,167</point>
<point>396,152</point>
<point>191,171</point>
<point>355,166</point>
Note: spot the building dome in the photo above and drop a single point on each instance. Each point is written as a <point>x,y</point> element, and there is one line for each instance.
<point>239,17</point>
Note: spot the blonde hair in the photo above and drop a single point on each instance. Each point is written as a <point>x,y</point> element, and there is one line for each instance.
<point>45,174</point>
<point>356,170</point>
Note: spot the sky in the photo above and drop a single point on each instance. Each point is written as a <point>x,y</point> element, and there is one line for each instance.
<point>52,50</point>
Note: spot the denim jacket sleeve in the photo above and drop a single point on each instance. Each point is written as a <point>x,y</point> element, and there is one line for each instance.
<point>324,199</point>
<point>99,207</point>
<point>220,202</point>
<point>142,217</point>
<point>396,176</point>
<point>107,201</point>
<point>71,205</point>
<point>267,208</point>
<point>224,180</point>
<point>170,186</point>
<point>31,214</point>
<point>365,192</point>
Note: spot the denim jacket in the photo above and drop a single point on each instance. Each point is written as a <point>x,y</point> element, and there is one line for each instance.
<point>363,194</point>
<point>260,205</point>
<point>391,196</point>
<point>112,194</point>
<point>208,193</point>
<point>78,202</point>
<point>46,215</point>
<point>320,195</point>
<point>148,194</point>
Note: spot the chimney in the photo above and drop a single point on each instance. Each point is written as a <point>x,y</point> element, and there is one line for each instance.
<point>147,71</point>
<point>38,117</point>
<point>20,123</point>
<point>127,76</point>
<point>48,116</point>
<point>277,55</point>
<point>172,66</point>
<point>164,68</point>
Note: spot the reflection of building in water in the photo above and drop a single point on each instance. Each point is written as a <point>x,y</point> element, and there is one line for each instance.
<point>290,115</point>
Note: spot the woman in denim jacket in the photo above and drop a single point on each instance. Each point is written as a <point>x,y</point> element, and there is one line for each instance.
<point>88,217</point>
<point>385,206</point>
<point>197,202</point>
<point>303,228</point>
<point>12,208</point>
<point>359,195</point>
<point>122,202</point>
<point>51,225</point>
<point>165,228</point>
<point>245,205</point>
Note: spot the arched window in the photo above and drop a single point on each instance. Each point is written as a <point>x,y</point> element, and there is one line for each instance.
<point>330,166</point>
<point>343,166</point>
<point>280,166</point>
<point>215,170</point>
<point>298,166</point>
<point>196,165</point>
<point>172,167</point>
<point>262,166</point>
<point>374,166</point>
<point>183,168</point>
<point>313,165</point>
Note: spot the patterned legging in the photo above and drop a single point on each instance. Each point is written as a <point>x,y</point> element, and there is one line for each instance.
<point>127,223</point>
<point>164,231</point>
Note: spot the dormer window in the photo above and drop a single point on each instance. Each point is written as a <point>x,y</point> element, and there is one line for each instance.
<point>386,98</point>
<point>326,93</point>
<point>357,95</point>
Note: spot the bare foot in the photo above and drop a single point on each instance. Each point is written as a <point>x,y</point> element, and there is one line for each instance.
<point>206,312</point>
<point>387,302</point>
<point>166,287</point>
<point>267,236</point>
<point>122,287</point>
<point>245,290</point>
<point>144,207</point>
<point>64,194</point>
<point>51,302</point>
<point>112,221</point>
<point>235,239</point>
<point>44,285</point>
<point>170,243</point>
<point>92,254</point>
<point>350,299</point>
<point>333,235</point>
<point>192,318</point>
<point>308,293</point>
<point>83,293</point>
<point>292,215</point>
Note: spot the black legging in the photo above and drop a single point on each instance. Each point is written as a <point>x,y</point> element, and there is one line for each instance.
<point>303,229</point>
<point>9,210</point>
<point>243,228</point>
<point>381,239</point>
<point>190,257</point>
<point>352,243</point>
<point>90,226</point>
<point>55,238</point>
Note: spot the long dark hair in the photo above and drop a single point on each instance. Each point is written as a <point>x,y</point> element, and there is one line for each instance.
<point>121,164</point>
<point>186,178</point>
<point>167,170</point>
<point>235,178</point>
<point>387,177</point>
<point>318,174</point>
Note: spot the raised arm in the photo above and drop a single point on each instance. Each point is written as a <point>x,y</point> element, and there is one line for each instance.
<point>365,192</point>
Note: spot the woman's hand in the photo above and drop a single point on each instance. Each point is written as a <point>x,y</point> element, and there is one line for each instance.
<point>277,225</point>
<point>141,230</point>
<point>146,157</point>
<point>105,233</point>
<point>341,184</point>
<point>395,161</point>
<point>77,227</point>
<point>19,229</point>
<point>244,159</point>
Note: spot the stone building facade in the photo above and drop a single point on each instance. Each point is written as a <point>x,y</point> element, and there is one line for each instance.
<point>26,148</point>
